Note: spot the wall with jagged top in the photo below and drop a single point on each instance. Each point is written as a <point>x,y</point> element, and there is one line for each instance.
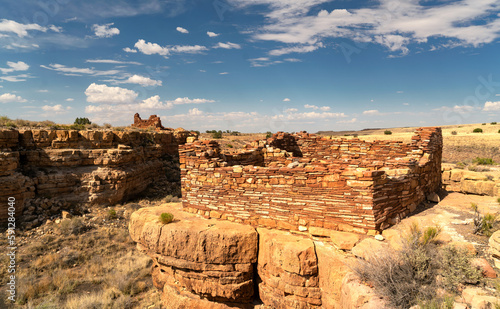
<point>295,182</point>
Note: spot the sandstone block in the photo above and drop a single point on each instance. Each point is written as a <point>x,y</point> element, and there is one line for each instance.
<point>344,240</point>
<point>288,268</point>
<point>212,259</point>
<point>332,268</point>
<point>367,247</point>
<point>494,247</point>
<point>356,295</point>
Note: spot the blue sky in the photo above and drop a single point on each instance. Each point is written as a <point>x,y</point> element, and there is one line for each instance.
<point>252,65</point>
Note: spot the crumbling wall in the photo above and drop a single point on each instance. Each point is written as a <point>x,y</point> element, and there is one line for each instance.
<point>78,167</point>
<point>153,121</point>
<point>312,181</point>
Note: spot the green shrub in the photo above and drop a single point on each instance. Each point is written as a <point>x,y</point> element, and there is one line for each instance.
<point>484,123</point>
<point>498,131</point>
<point>407,276</point>
<point>387,132</point>
<point>112,214</point>
<point>269,134</point>
<point>482,224</point>
<point>235,133</point>
<point>453,132</point>
<point>498,200</point>
<point>166,218</point>
<point>82,121</point>
<point>477,130</point>
<point>230,146</point>
<point>217,134</point>
<point>483,161</point>
<point>438,303</point>
<point>493,123</point>
<point>456,267</point>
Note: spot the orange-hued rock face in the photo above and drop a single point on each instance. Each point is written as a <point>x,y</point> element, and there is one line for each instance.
<point>212,259</point>
<point>81,167</point>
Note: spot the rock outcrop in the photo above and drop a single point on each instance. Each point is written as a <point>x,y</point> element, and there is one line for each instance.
<point>213,260</point>
<point>78,167</point>
<point>209,263</point>
<point>288,270</point>
<point>470,182</point>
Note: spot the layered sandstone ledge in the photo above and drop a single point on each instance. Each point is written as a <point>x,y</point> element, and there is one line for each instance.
<point>470,182</point>
<point>305,182</point>
<point>207,263</point>
<point>77,167</point>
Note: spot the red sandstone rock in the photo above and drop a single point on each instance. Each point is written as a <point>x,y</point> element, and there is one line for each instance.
<point>485,267</point>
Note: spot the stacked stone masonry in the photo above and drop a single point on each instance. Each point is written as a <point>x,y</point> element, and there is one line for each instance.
<point>153,122</point>
<point>98,167</point>
<point>299,181</point>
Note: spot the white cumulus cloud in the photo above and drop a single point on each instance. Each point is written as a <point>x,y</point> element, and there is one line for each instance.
<point>15,66</point>
<point>187,100</point>
<point>212,34</point>
<point>58,109</point>
<point>181,30</point>
<point>11,98</point>
<point>195,112</point>
<point>148,48</point>
<point>130,50</point>
<point>141,80</point>
<point>105,31</point>
<point>110,95</point>
<point>286,100</point>
<point>492,106</point>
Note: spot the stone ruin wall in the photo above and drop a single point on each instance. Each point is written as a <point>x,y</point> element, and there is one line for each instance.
<point>78,167</point>
<point>152,122</point>
<point>303,182</point>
